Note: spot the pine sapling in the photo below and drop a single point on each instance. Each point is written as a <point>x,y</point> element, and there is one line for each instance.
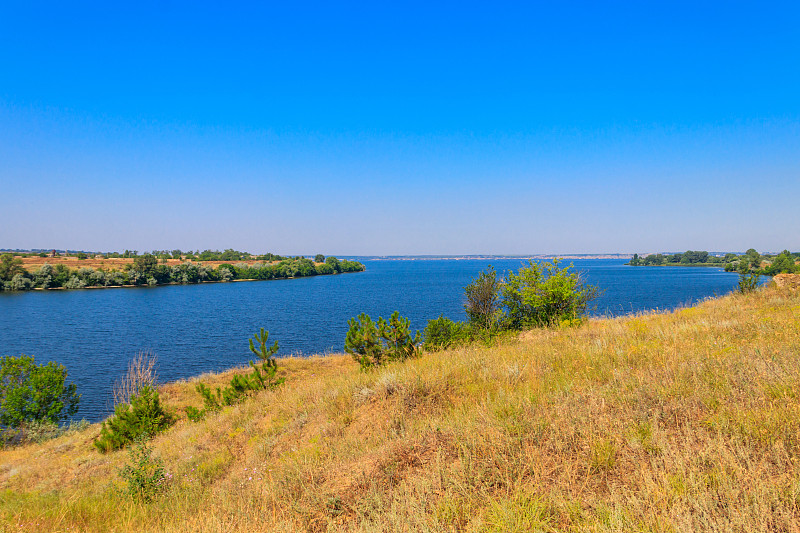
<point>263,376</point>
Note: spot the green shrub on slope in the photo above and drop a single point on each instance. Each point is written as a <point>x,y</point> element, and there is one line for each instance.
<point>144,415</point>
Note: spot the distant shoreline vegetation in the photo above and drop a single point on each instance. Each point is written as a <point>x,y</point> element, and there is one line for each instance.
<point>485,257</point>
<point>152,269</point>
<point>749,262</point>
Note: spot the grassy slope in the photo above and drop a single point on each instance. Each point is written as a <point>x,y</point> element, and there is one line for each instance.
<point>683,421</point>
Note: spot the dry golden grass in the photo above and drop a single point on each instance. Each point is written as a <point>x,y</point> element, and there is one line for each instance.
<point>117,263</point>
<point>673,422</point>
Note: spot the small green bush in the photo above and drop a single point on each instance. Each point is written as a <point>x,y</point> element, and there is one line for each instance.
<point>442,333</point>
<point>145,476</point>
<point>143,416</point>
<point>748,281</point>
<point>221,396</point>
<point>363,341</point>
<point>373,344</point>
<point>194,414</point>
<point>262,377</point>
<point>42,431</point>
<point>39,431</point>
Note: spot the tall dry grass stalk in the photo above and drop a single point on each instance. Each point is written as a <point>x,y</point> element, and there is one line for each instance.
<point>141,373</point>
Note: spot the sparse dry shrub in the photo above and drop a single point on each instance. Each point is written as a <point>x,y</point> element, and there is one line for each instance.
<point>387,384</point>
<point>141,373</point>
<point>144,417</point>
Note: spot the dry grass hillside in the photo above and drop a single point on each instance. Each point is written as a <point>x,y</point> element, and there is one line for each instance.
<point>675,422</point>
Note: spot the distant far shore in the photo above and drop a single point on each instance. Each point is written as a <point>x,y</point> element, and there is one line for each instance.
<point>34,272</point>
<point>490,257</point>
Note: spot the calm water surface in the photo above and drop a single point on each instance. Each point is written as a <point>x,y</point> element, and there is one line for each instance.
<point>200,328</point>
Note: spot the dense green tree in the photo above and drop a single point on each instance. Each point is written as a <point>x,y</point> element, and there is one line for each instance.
<point>34,393</point>
<point>319,258</point>
<point>334,263</point>
<point>483,306</point>
<point>286,268</point>
<point>19,282</point>
<point>61,274</point>
<point>691,257</point>
<point>74,282</point>
<point>85,274</point>
<point>98,278</point>
<point>43,276</point>
<point>146,264</point>
<point>782,263</point>
<point>324,269</point>
<point>162,274</point>
<point>753,257</point>
<point>363,341</point>
<point>543,294</point>
<point>230,255</point>
<point>345,265</point>
<point>226,272</point>
<point>396,332</point>
<point>10,266</point>
<point>305,267</point>
<point>654,259</point>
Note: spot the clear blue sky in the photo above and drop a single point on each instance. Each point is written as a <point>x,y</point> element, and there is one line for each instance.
<point>418,128</point>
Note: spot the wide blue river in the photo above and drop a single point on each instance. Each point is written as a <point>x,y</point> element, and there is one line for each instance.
<point>200,328</point>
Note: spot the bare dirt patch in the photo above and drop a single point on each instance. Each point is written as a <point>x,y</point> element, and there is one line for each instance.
<point>791,281</point>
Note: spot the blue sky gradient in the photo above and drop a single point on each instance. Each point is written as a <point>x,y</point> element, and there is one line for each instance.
<point>454,128</point>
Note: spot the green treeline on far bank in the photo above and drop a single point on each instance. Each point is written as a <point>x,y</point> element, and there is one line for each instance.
<point>750,261</point>
<point>150,269</point>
